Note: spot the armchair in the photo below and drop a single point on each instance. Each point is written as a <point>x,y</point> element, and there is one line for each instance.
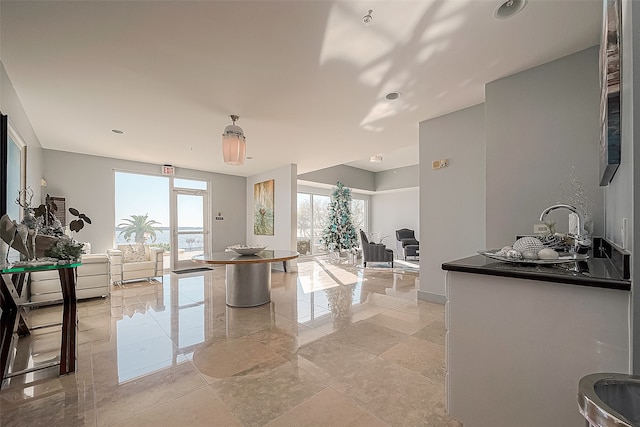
<point>135,262</point>
<point>406,243</point>
<point>374,252</point>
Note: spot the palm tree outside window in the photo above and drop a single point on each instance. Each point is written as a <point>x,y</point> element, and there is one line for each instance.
<point>140,227</point>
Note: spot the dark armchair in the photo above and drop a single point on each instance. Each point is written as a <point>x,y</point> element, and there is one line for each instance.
<point>374,252</point>
<point>406,243</point>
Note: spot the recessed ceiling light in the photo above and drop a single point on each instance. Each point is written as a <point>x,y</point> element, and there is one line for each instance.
<point>376,159</point>
<point>117,131</point>
<point>393,95</point>
<point>509,8</point>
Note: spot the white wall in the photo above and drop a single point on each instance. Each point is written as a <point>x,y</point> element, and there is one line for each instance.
<point>452,200</point>
<point>354,178</point>
<point>539,124</point>
<point>87,183</point>
<point>398,178</point>
<point>391,211</point>
<point>285,208</point>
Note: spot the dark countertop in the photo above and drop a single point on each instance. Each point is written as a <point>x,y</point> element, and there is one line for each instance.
<point>595,272</point>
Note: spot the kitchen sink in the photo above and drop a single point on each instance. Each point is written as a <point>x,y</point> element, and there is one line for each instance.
<point>607,399</point>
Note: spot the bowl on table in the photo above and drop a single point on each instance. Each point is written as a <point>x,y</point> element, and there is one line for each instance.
<point>247,249</point>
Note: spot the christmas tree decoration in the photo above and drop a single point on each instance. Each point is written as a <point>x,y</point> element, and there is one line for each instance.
<point>339,234</point>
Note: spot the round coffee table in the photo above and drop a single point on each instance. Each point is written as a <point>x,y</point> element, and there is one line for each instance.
<point>248,276</point>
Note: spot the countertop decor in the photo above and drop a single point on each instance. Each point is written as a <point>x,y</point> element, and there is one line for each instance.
<point>605,268</point>
<point>562,259</point>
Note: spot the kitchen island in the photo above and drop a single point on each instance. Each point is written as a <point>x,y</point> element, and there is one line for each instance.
<point>519,337</point>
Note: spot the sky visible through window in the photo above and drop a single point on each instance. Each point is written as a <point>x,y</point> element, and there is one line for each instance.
<point>138,194</point>
<point>141,194</point>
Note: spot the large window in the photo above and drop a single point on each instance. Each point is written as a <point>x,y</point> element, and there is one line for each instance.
<point>359,214</point>
<point>166,212</point>
<point>304,223</point>
<point>142,209</point>
<point>312,216</point>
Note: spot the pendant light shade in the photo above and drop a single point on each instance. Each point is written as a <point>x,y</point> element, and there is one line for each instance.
<point>234,144</point>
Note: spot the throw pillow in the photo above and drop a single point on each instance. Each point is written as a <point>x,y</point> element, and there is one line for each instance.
<point>134,253</point>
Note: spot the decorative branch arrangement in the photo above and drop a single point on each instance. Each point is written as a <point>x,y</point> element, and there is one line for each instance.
<point>40,233</point>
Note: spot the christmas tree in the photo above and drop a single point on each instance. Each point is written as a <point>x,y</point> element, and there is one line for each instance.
<point>339,233</point>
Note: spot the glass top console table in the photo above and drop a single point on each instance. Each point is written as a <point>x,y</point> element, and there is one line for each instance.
<point>14,301</point>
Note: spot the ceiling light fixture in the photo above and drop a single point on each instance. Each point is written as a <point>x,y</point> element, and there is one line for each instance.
<point>509,8</point>
<point>234,144</point>
<point>376,159</point>
<point>366,19</point>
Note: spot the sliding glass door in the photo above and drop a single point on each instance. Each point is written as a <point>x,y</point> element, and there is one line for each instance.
<point>190,222</point>
<point>312,216</point>
<point>313,211</point>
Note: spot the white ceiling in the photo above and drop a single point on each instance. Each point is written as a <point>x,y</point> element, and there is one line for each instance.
<point>307,78</point>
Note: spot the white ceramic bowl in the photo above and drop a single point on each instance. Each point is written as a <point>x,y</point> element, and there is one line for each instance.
<point>247,249</point>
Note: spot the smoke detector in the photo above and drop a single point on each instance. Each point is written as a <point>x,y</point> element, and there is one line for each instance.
<point>509,8</point>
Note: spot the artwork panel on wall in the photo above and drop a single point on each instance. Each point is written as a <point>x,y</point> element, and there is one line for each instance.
<point>610,84</point>
<point>263,208</point>
<point>13,158</point>
<point>3,163</point>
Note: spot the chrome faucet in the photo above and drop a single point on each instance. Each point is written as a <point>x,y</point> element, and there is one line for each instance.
<point>580,240</point>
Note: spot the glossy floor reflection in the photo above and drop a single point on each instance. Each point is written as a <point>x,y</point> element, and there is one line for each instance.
<point>337,345</point>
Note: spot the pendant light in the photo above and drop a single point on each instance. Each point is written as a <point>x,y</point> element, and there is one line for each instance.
<point>234,144</point>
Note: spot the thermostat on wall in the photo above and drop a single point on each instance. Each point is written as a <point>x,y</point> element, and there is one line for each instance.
<point>439,164</point>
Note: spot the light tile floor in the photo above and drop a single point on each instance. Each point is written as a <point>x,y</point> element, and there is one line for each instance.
<point>338,345</point>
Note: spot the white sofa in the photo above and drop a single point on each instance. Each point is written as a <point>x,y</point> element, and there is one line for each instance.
<point>92,281</point>
<point>135,262</point>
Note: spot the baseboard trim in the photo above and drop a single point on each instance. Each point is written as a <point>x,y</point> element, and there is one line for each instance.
<point>431,297</point>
